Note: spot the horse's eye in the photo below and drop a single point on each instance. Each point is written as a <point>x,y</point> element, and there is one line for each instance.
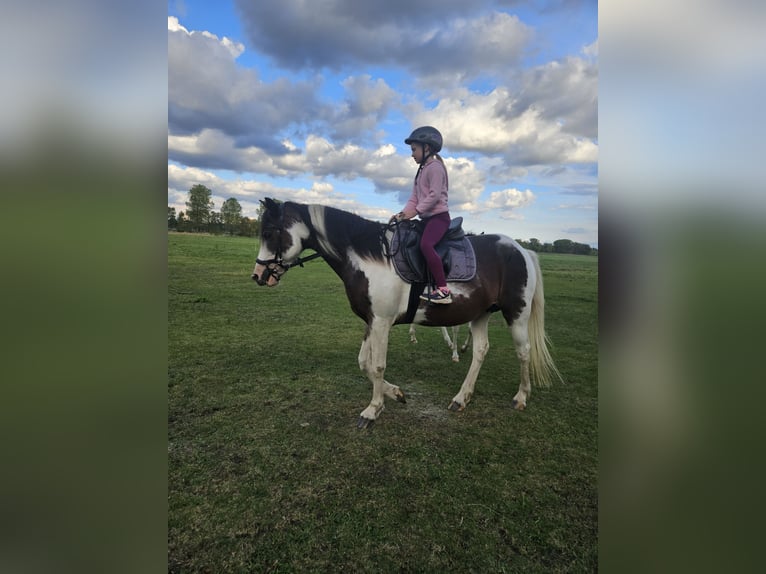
<point>267,235</point>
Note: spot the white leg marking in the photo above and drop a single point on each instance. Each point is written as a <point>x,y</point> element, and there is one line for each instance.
<point>375,348</point>
<point>479,329</point>
<point>453,346</point>
<point>467,340</point>
<point>521,342</point>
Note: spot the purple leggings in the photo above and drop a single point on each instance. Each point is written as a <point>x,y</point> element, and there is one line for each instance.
<point>434,230</point>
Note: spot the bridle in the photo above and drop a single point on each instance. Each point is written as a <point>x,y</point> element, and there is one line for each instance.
<point>277,266</point>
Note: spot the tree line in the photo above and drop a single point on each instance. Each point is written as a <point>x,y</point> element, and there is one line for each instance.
<point>558,246</point>
<point>201,217</point>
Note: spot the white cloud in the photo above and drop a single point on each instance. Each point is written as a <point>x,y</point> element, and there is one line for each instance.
<point>175,26</point>
<point>509,199</point>
<point>466,183</point>
<point>591,50</point>
<point>387,170</point>
<point>495,123</point>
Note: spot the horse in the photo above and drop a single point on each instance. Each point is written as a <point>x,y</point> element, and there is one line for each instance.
<point>508,280</point>
<point>452,342</point>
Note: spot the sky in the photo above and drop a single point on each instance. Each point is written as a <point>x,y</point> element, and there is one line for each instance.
<point>311,102</point>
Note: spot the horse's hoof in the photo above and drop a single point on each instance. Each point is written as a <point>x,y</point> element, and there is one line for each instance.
<point>400,398</point>
<point>364,423</point>
<point>517,405</point>
<point>455,359</point>
<point>456,407</point>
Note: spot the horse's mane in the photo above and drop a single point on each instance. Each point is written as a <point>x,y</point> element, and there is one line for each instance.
<point>344,229</point>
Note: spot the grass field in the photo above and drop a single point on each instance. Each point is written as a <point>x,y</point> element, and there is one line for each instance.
<point>267,472</point>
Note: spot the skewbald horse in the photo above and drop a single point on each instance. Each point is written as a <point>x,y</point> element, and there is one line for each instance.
<point>508,280</point>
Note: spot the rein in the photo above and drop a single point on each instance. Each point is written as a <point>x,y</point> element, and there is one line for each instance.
<point>398,230</point>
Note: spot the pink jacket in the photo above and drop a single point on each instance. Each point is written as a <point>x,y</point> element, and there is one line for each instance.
<point>429,193</point>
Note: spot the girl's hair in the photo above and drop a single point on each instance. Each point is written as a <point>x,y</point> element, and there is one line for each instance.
<point>422,165</point>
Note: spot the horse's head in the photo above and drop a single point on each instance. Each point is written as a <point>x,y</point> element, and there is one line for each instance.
<point>282,235</point>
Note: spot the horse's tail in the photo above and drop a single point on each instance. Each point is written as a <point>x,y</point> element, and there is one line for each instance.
<point>540,360</point>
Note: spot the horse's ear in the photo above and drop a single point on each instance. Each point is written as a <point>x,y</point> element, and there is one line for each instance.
<point>269,204</point>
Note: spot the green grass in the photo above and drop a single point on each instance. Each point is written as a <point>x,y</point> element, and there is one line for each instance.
<point>267,472</point>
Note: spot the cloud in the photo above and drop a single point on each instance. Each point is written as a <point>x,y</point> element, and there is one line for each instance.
<point>494,41</point>
<point>591,50</point>
<point>249,193</point>
<point>383,166</point>
<point>498,123</point>
<point>514,127</point>
<point>551,119</point>
<point>576,231</point>
<point>208,90</point>
<point>466,183</point>
<point>213,149</point>
<point>506,202</point>
<point>367,102</point>
<point>564,91</point>
<point>430,37</point>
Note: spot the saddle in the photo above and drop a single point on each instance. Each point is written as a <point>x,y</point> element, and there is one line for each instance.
<point>455,250</point>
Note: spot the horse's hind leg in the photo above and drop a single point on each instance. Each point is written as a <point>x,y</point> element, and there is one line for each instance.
<point>372,360</point>
<point>451,342</point>
<point>479,329</point>
<point>467,340</point>
<point>521,342</point>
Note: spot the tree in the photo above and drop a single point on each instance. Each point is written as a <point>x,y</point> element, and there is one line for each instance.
<point>183,222</point>
<point>215,223</point>
<point>562,246</point>
<point>534,244</point>
<point>249,227</point>
<point>231,213</point>
<point>172,221</point>
<point>199,206</point>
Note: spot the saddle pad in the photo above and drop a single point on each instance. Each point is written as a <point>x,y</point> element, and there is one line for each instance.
<point>457,255</point>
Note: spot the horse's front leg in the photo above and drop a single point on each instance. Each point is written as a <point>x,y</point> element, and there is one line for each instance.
<point>372,360</point>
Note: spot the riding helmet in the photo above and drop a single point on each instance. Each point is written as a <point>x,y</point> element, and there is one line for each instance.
<point>426,135</point>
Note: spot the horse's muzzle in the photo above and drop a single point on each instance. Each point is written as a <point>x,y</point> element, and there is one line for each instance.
<point>264,277</point>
